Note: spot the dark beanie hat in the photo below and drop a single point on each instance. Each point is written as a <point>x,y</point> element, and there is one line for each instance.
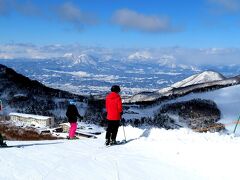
<point>115,88</point>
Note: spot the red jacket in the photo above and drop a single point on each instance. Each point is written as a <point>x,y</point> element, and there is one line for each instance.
<point>113,106</point>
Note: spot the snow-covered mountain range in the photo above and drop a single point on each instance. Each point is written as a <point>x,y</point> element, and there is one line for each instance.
<point>20,94</point>
<point>89,72</point>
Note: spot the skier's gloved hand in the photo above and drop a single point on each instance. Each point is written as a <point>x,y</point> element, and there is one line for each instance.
<point>81,118</point>
<point>104,115</point>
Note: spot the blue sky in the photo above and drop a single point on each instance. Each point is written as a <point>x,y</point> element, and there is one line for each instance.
<point>122,23</point>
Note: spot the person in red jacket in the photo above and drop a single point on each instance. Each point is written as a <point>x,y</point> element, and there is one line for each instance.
<point>114,113</point>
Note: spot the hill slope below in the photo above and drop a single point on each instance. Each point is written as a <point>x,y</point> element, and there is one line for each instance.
<point>149,154</point>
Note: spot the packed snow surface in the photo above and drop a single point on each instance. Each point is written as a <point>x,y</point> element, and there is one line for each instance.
<point>149,154</point>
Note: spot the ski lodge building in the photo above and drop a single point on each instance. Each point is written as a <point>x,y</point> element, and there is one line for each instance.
<point>65,127</point>
<point>43,121</point>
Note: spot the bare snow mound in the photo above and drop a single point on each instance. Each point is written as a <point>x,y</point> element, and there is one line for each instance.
<point>201,78</point>
<point>204,77</point>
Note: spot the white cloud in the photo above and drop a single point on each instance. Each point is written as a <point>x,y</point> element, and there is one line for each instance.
<point>68,12</point>
<point>12,51</point>
<point>167,56</point>
<point>4,7</point>
<point>227,5</point>
<point>207,56</point>
<point>27,8</point>
<point>129,19</point>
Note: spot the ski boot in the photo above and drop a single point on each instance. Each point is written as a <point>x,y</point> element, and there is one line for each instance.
<point>3,144</point>
<point>72,138</point>
<point>113,142</point>
<point>107,143</point>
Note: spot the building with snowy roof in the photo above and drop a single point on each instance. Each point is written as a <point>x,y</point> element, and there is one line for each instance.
<point>43,121</point>
<point>65,127</point>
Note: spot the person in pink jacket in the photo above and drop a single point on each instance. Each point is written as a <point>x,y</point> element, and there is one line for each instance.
<point>72,114</point>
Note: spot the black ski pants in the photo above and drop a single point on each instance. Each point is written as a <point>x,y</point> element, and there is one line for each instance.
<point>112,129</point>
<point>1,139</point>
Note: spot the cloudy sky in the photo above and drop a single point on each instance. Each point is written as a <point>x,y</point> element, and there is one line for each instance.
<point>122,23</point>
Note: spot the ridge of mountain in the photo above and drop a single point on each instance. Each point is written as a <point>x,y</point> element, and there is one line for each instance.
<point>186,86</point>
<point>23,83</point>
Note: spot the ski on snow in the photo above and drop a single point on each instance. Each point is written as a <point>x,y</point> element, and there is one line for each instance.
<point>16,146</point>
<point>118,143</point>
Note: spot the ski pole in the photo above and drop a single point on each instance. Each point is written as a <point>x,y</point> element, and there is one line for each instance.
<point>124,134</point>
<point>123,122</point>
<point>236,125</point>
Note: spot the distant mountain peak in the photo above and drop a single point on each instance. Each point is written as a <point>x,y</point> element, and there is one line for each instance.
<point>68,55</point>
<point>84,59</point>
<point>140,55</point>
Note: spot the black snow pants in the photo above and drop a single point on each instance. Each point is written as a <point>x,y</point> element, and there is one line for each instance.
<point>112,130</point>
